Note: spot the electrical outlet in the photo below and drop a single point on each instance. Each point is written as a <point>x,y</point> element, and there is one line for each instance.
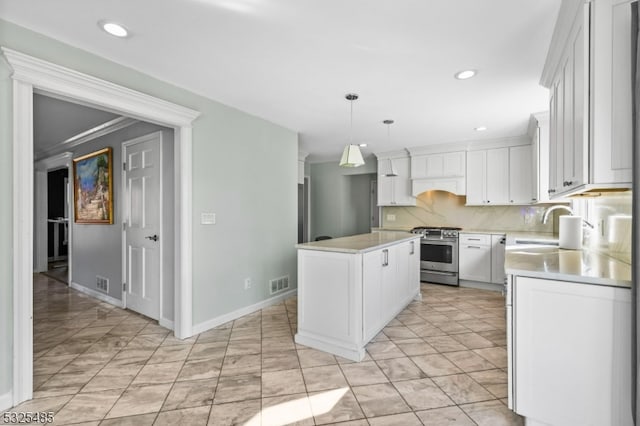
<point>391,217</point>
<point>247,283</point>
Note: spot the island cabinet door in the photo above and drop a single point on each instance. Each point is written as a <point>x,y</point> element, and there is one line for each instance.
<point>379,299</point>
<point>408,278</point>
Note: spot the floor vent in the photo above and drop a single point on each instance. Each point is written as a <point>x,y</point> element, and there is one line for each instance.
<point>279,284</point>
<point>102,284</point>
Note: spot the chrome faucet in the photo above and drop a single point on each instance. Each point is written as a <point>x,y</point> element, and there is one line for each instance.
<point>547,212</point>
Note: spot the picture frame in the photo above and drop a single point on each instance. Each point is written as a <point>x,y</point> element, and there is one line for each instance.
<point>93,187</point>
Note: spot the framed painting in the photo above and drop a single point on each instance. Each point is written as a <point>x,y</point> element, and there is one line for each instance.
<point>93,187</point>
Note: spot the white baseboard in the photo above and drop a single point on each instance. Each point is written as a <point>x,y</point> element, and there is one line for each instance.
<point>98,295</point>
<point>212,323</point>
<point>481,285</point>
<point>6,401</point>
<point>166,323</point>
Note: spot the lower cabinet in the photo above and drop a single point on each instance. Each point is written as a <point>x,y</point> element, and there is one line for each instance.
<point>571,352</point>
<point>481,257</point>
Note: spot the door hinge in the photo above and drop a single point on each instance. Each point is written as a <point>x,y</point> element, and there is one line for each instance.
<point>124,286</point>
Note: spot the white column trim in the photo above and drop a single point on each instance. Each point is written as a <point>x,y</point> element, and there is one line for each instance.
<point>30,74</point>
<point>22,241</point>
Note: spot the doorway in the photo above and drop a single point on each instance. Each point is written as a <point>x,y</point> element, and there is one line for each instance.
<point>34,75</point>
<point>58,225</point>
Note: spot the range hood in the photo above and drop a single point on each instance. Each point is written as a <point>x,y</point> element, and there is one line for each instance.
<point>455,185</point>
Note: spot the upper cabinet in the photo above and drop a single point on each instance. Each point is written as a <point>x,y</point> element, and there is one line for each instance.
<point>499,176</point>
<point>438,171</point>
<point>394,190</point>
<point>539,133</point>
<point>588,73</point>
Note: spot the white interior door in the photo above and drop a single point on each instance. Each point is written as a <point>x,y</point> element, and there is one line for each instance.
<point>142,219</point>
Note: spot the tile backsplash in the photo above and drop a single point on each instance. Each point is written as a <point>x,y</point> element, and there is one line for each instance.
<point>610,215</point>
<point>439,208</point>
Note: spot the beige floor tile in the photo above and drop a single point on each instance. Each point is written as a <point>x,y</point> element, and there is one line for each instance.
<point>422,394</point>
<point>285,382</point>
<point>448,416</point>
<point>435,365</point>
<point>48,404</point>
<point>287,410</point>
<point>51,364</point>
<point>208,350</point>
<point>468,361</point>
<point>235,413</point>
<point>363,373</point>
<point>85,407</point>
<point>63,384</point>
<point>405,419</point>
<point>197,416</point>
<point>334,406</point>
<point>380,400</point>
<point>462,389</point>
<point>200,369</point>
<point>445,344</point>
<point>244,347</point>
<point>492,413</point>
<point>158,373</point>
<point>315,358</point>
<point>190,394</point>
<point>473,340</point>
<point>401,332</point>
<point>495,381</point>
<point>112,378</point>
<point>140,400</point>
<point>384,350</point>
<point>415,347</point>
<point>131,357</point>
<point>238,388</point>
<point>400,369</point>
<point>324,378</point>
<point>235,365</point>
<point>281,360</point>
<point>139,420</point>
<point>496,356</point>
<point>215,335</point>
<point>171,353</point>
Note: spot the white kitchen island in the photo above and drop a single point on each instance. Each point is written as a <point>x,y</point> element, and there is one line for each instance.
<point>349,288</point>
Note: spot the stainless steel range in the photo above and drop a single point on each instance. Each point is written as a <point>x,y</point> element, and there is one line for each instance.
<point>438,254</point>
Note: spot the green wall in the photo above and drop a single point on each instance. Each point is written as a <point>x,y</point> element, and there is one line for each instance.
<point>339,198</point>
<point>244,170</point>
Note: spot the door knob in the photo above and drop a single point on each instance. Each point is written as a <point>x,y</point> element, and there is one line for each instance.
<point>152,237</point>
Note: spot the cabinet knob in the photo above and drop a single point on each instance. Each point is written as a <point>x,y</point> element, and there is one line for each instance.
<point>534,199</point>
<point>488,201</point>
<point>512,201</point>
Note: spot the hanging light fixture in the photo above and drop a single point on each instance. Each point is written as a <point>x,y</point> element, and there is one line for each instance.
<point>351,156</point>
<point>392,172</point>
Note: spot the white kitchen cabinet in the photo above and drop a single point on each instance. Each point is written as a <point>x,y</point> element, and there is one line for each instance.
<point>588,73</point>
<point>498,246</point>
<point>395,190</point>
<point>520,175</point>
<point>539,132</point>
<point>347,295</point>
<point>476,178</point>
<point>571,360</point>
<point>497,176</point>
<point>474,254</point>
<point>441,165</point>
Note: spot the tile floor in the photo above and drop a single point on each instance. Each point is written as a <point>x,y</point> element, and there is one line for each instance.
<point>442,361</point>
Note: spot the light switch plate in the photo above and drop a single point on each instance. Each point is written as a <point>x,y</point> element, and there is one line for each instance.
<point>391,217</point>
<point>208,218</point>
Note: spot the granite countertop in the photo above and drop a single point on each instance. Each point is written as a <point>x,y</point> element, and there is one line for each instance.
<point>359,243</point>
<point>584,266</point>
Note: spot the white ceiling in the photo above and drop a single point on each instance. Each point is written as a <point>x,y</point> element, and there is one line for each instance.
<point>292,61</point>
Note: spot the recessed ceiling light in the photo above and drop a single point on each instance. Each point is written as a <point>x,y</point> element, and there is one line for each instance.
<point>480,128</point>
<point>114,29</point>
<point>463,75</point>
<point>362,145</point>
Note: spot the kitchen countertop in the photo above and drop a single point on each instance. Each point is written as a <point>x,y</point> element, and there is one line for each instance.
<point>359,243</point>
<point>584,266</point>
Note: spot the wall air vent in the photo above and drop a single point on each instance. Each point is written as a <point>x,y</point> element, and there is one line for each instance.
<point>277,285</point>
<point>102,284</point>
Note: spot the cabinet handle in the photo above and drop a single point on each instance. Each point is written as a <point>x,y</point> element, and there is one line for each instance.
<point>551,191</point>
<point>473,239</point>
<point>534,199</point>
<point>413,247</point>
<point>488,201</point>
<point>385,254</point>
<point>567,183</point>
<point>474,247</point>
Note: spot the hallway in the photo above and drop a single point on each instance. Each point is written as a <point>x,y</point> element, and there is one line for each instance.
<point>442,359</point>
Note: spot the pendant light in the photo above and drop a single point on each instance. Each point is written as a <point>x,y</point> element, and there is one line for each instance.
<point>392,172</point>
<point>351,156</point>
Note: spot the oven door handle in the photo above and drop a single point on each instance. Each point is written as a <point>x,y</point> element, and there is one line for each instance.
<point>439,242</point>
<point>449,274</point>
